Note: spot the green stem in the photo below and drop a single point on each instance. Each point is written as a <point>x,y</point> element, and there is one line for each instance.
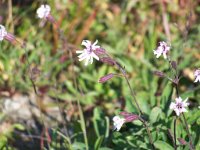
<point>138,107</point>
<point>83,125</point>
<point>185,121</point>
<point>131,90</point>
<point>30,70</point>
<point>175,146</point>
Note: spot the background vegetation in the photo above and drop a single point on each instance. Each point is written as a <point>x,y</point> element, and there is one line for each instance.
<point>129,30</point>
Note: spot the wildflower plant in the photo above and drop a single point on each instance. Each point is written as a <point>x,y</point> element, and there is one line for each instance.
<point>164,124</point>
<point>179,106</point>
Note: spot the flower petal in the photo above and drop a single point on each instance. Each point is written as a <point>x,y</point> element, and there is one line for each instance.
<point>172,105</point>
<point>95,56</point>
<point>178,100</point>
<point>79,51</point>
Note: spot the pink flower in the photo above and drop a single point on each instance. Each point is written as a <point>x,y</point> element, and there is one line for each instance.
<point>3,32</point>
<point>162,49</point>
<point>197,75</point>
<point>179,106</point>
<point>88,53</point>
<point>43,11</point>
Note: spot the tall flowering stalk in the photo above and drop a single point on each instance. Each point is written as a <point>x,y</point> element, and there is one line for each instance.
<point>179,106</point>
<point>44,13</point>
<point>92,51</point>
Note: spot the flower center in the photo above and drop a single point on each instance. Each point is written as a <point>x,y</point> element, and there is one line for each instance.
<point>179,105</point>
<point>89,49</point>
<point>164,48</point>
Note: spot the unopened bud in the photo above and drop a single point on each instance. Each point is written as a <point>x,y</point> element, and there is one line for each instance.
<point>182,141</point>
<point>159,73</point>
<point>106,78</point>
<point>51,19</point>
<point>35,72</point>
<point>11,38</point>
<point>124,113</point>
<point>176,80</point>
<point>174,64</point>
<point>100,51</point>
<point>129,117</point>
<point>108,61</point>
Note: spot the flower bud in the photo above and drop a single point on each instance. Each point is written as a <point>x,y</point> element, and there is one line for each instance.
<point>174,64</point>
<point>11,38</point>
<point>100,51</point>
<point>108,61</point>
<point>35,71</point>
<point>129,117</point>
<point>159,74</point>
<point>51,19</point>
<point>176,80</point>
<point>182,141</point>
<point>106,78</point>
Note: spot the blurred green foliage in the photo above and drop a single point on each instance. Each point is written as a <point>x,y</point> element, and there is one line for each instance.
<point>129,30</point>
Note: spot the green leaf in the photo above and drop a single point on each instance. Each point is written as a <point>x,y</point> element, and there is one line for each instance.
<point>19,126</point>
<point>98,142</point>
<point>163,145</point>
<point>154,115</point>
<point>78,146</point>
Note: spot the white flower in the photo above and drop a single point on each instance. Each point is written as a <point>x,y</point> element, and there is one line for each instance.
<point>118,122</point>
<point>162,49</point>
<point>197,75</point>
<point>88,53</point>
<point>3,32</point>
<point>179,106</point>
<point>43,11</point>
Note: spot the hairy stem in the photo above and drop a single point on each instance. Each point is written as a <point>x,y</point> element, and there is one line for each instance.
<point>132,92</point>
<point>175,146</point>
<point>185,121</point>
<point>30,70</point>
<point>138,107</point>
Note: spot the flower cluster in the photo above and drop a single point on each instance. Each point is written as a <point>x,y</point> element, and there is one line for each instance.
<point>162,49</point>
<point>179,106</point>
